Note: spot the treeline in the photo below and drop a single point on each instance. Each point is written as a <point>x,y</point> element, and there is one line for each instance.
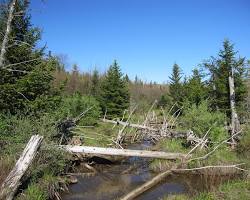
<point>89,83</point>
<point>33,82</point>
<point>210,82</point>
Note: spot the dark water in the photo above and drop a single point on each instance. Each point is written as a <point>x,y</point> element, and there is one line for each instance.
<point>116,180</point>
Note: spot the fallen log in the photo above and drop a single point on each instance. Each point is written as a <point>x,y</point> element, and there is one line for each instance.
<point>122,152</point>
<point>138,126</point>
<point>133,194</point>
<point>160,177</point>
<point>168,133</point>
<point>13,181</point>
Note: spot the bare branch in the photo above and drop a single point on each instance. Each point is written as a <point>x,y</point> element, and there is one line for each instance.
<point>212,166</point>
<point>209,153</point>
<point>23,62</point>
<point>7,32</point>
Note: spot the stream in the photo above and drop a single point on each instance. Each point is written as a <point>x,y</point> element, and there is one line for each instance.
<point>116,180</point>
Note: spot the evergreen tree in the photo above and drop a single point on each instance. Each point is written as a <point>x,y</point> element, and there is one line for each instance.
<point>25,79</point>
<point>195,89</point>
<point>95,84</point>
<point>176,87</point>
<point>114,94</point>
<point>126,78</point>
<point>164,101</point>
<point>220,68</point>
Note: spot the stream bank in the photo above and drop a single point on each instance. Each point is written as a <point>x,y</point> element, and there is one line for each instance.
<point>115,180</point>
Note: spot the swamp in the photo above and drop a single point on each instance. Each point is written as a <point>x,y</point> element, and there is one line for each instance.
<point>68,132</point>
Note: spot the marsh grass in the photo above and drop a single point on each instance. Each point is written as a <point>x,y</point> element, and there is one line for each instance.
<point>6,164</point>
<point>99,135</point>
<point>231,190</point>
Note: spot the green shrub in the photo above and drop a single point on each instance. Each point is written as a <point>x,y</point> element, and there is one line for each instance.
<point>50,160</point>
<point>200,119</point>
<point>73,106</point>
<point>244,146</point>
<point>16,130</point>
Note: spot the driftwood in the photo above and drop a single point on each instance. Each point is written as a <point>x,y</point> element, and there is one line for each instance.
<point>151,183</point>
<point>13,181</point>
<point>121,134</point>
<point>160,177</point>
<point>157,134</point>
<point>122,152</point>
<point>138,126</point>
<point>133,194</point>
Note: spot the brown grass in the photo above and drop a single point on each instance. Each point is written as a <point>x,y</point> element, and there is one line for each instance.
<point>6,164</point>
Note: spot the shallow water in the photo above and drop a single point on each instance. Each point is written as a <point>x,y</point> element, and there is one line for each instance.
<point>116,180</point>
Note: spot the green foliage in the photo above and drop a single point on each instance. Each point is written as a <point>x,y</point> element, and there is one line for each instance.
<point>99,135</point>
<point>95,85</point>
<point>164,101</point>
<point>205,196</point>
<point>49,160</point>
<point>34,191</point>
<point>26,86</point>
<point>176,90</point>
<point>18,129</point>
<point>168,145</point>
<point>172,145</point>
<point>234,190</point>
<point>200,119</point>
<point>244,146</point>
<point>195,89</point>
<point>222,156</point>
<point>73,106</point>
<point>220,68</point>
<point>114,94</point>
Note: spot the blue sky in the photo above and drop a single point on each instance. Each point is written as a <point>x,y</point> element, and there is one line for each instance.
<point>146,36</point>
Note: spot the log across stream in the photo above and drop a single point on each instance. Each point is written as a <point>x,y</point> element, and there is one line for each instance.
<point>115,180</point>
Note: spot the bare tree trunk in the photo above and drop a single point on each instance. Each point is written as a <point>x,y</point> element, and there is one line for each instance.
<point>235,125</point>
<point>146,186</point>
<point>122,152</point>
<point>7,32</point>
<point>130,125</point>
<point>13,181</point>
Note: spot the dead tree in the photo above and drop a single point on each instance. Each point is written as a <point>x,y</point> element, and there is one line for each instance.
<point>235,125</point>
<point>13,181</point>
<point>88,150</point>
<point>7,32</point>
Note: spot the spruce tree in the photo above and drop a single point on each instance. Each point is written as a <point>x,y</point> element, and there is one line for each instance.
<point>25,79</point>
<point>175,87</point>
<point>114,93</point>
<point>95,84</point>
<point>220,68</point>
<point>195,89</point>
